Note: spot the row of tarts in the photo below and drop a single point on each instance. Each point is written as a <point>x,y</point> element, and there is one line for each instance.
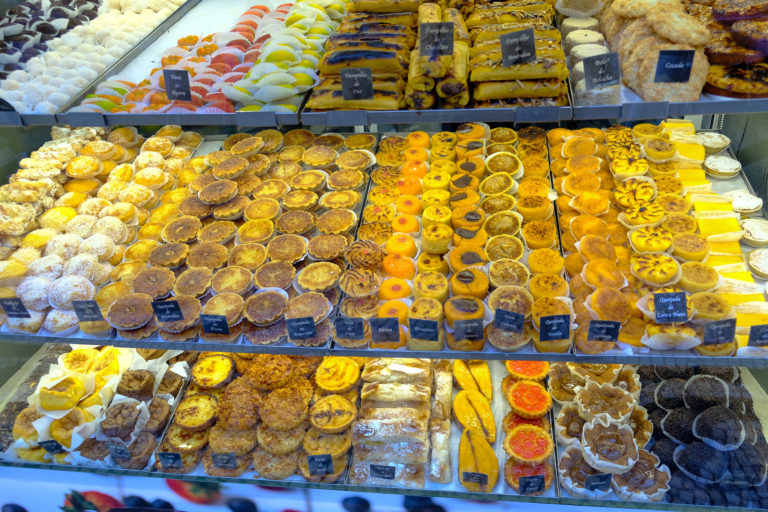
<point>680,434</point>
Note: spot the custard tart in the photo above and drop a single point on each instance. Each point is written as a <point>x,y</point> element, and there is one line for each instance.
<point>194,207</point>
<point>603,273</point>
<point>157,282</point>
<point>312,180</point>
<point>338,221</point>
<point>250,256</point>
<point>229,305</point>
<point>698,277</point>
<point>299,137</point>
<point>295,222</point>
<point>273,188</point>
<point>290,248</point>
<point>218,192</point>
<point>574,471</point>
<point>230,168</point>
<point>207,254</point>
<point>327,247</point>
<point>169,255</point>
<point>310,304</point>
<point>679,223</point>
<point>255,231</point>
<point>262,208</point>
<point>131,311</point>
<point>195,281</point>
<point>644,214</point>
<point>272,140</point>
<point>634,191</point>
<point>183,229</point>
<point>377,232</point>
<point>299,200</point>
<point>190,310</point>
<point>275,274</point>
<point>232,209</point>
<point>265,308</point>
<point>340,199</point>
<point>232,279</point>
<point>318,276</point>
<point>645,481</point>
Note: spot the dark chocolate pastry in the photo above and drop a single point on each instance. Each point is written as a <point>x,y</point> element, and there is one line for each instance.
<point>720,428</point>
<point>701,462</point>
<point>728,373</point>
<point>738,398</point>
<point>685,490</point>
<point>138,384</point>
<point>747,465</point>
<point>664,449</point>
<point>752,427</point>
<point>705,391</point>
<point>647,397</point>
<point>677,425</point>
<point>669,394</point>
<point>656,416</point>
<point>159,413</point>
<point>673,372</point>
<point>120,420</point>
<point>647,374</point>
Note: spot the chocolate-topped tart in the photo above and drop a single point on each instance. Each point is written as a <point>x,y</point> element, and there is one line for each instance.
<point>220,231</point>
<point>207,254</point>
<point>169,255</point>
<point>569,425</point>
<point>669,394</point>
<point>311,304</point>
<point>603,401</point>
<point>319,276</point>
<point>645,481</point>
<point>319,156</point>
<point>608,447</point>
<point>265,308</point>
<point>337,221</point>
<point>600,373</point>
<point>703,391</point>
<point>312,180</point>
<point>195,281</point>
<point>677,424</point>
<point>331,140</point>
<point>299,137</point>
<point>720,428</point>
<point>574,470</point>
<point>327,247</point>
<point>182,229</point>
<point>229,305</point>
<point>250,256</point>
<point>190,311</point>
<point>232,279</point>
<point>700,462</point>
<point>562,384</point>
<point>285,171</point>
<point>340,199</point>
<point>290,248</point>
<point>232,209</point>
<point>275,274</point>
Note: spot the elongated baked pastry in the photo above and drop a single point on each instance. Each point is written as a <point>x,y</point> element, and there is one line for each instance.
<point>404,371</point>
<point>549,88</point>
<point>401,453</point>
<point>440,455</point>
<point>397,6</point>
<point>395,392</point>
<point>394,430</point>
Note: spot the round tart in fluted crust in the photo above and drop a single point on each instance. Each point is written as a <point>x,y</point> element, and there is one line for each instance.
<point>608,447</point>
<point>336,221</point>
<point>364,254</point>
<point>190,309</point>
<point>157,282</point>
<point>358,283</point>
<point>290,248</point>
<point>195,281</point>
<point>265,308</point>
<point>528,444</point>
<point>182,229</point>
<point>569,425</point>
<point>295,222</point>
<point>311,304</point>
<point>229,305</point>
<point>327,247</point>
<point>319,276</point>
<point>513,470</point>
<point>207,254</point>
<point>528,370</point>
<point>651,239</point>
<point>646,480</point>
<point>597,372</point>
<point>130,312</point>
<point>562,384</point>
<point>655,269</point>
<point>275,274</point>
<point>603,401</point>
<point>574,470</point>
<point>529,399</point>
<point>250,256</point>
<point>221,232</point>
<point>232,279</point>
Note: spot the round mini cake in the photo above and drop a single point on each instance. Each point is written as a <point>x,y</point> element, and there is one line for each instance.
<point>720,428</point>
<point>676,425</point>
<point>700,462</point>
<point>703,391</point>
<point>669,394</point>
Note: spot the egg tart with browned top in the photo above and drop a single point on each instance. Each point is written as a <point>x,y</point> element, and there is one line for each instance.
<point>285,171</point>
<point>295,222</point>
<point>312,180</point>
<point>319,156</point>
<point>230,168</point>
<point>673,203</point>
<point>507,271</point>
<point>220,231</point>
<point>250,256</point>
<point>218,192</point>
<point>190,310</point>
<point>195,281</point>
<point>299,137</point>
<point>157,282</point>
<point>265,308</point>
<point>340,199</point>
<point>337,221</point>
<point>255,231</point>
<point>229,305</point>
<point>194,207</point>
<point>327,247</point>
<point>247,147</point>
<point>262,208</point>
<point>273,188</point>
<point>131,311</point>
<point>311,304</point>
<point>272,138</point>
<point>299,200</point>
<point>319,276</point>
<point>690,247</point>
<point>275,274</point>
<point>207,254</point>
<point>232,209</point>
<point>201,182</point>
<point>346,179</point>
<point>360,141</point>
<point>183,229</point>
<point>679,223</point>
<point>258,165</point>
<point>232,279</point>
<point>290,248</point>
<point>169,255</point>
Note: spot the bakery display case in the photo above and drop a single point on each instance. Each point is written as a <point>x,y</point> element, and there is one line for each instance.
<point>432,249</point>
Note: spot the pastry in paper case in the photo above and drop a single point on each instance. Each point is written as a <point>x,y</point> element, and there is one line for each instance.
<point>394,392</point>
<point>403,371</point>
<point>400,453</point>
<point>394,430</point>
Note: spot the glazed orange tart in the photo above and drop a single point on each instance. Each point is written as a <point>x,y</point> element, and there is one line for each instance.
<point>513,470</point>
<point>512,420</point>
<point>528,370</point>
<point>529,399</point>
<point>527,444</point>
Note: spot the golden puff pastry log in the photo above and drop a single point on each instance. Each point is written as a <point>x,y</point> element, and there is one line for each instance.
<point>488,68</point>
<point>547,88</point>
<point>403,371</point>
<point>390,431</point>
<point>394,392</point>
<point>399,453</point>
<point>491,32</point>
<point>333,99</point>
<point>378,6</point>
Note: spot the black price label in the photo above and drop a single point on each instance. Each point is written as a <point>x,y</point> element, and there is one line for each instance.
<point>5,106</point>
<point>721,331</point>
<point>52,446</point>
<point>531,484</point>
<point>87,310</point>
<point>468,329</point>
<point>671,307</point>
<point>508,320</point>
<point>350,328</point>
<point>383,472</point>
<point>385,329</point>
<point>603,330</point>
<point>320,464</point>
<point>118,451</point>
<point>436,39</point>
<point>224,460</point>
<point>600,482</point>
<point>555,327</point>
<point>424,329</point>
<point>518,47</point>
<point>602,70</point>
<point>170,460</point>
<point>475,478</point>
<point>301,328</point>
<point>758,336</point>
<point>356,83</point>
<point>167,311</point>
<point>674,66</point>
<point>215,324</point>
<point>14,308</point>
<point>177,84</point>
